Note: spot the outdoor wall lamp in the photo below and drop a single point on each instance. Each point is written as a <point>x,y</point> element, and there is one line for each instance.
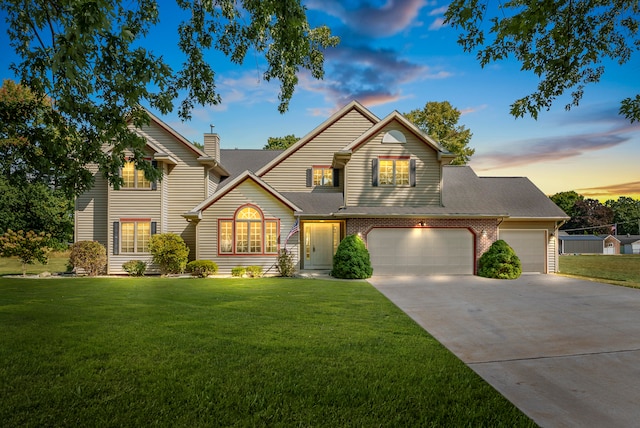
<point>483,233</point>
<point>421,223</point>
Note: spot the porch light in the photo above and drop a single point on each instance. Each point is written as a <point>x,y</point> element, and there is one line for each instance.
<point>483,233</point>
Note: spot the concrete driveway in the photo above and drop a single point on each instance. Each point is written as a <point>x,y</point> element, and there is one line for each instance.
<point>564,351</point>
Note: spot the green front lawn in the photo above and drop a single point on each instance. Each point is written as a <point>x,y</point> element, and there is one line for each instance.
<point>621,269</point>
<point>227,352</point>
<point>57,263</point>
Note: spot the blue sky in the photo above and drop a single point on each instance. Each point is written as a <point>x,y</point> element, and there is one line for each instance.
<point>397,55</point>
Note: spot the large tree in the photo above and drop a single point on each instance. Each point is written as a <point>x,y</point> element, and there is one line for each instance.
<point>439,120</point>
<point>626,214</point>
<point>590,216</point>
<point>566,201</point>
<point>280,143</point>
<point>564,42</point>
<point>90,58</point>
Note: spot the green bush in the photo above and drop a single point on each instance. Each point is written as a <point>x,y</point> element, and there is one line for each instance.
<point>352,259</point>
<point>202,268</point>
<point>499,261</point>
<point>91,256</point>
<point>285,264</point>
<point>169,252</point>
<point>255,271</point>
<point>238,271</point>
<point>135,267</point>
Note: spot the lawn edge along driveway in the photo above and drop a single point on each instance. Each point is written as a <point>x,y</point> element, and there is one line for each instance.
<point>565,351</point>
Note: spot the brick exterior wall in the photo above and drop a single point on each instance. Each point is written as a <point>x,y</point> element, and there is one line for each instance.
<point>364,225</point>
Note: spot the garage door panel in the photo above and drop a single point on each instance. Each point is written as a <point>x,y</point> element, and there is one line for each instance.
<point>530,247</point>
<point>421,251</point>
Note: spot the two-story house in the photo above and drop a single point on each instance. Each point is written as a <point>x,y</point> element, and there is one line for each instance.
<point>354,174</point>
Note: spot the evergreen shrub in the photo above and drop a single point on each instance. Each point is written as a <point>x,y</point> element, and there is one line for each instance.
<point>169,252</point>
<point>254,271</point>
<point>499,261</point>
<point>135,267</point>
<point>352,260</point>
<point>238,271</point>
<point>285,264</point>
<point>202,268</point>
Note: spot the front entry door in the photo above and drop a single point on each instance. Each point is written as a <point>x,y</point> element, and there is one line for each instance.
<point>320,239</point>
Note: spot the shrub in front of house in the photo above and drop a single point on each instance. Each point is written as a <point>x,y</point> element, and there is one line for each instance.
<point>500,262</point>
<point>202,268</point>
<point>135,267</point>
<point>255,271</point>
<point>90,256</point>
<point>285,264</point>
<point>352,260</point>
<point>238,271</point>
<point>169,252</point>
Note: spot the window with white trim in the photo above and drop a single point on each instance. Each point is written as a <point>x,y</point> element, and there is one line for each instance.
<point>322,176</point>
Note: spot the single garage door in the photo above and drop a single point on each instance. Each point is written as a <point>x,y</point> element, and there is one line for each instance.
<point>421,251</point>
<point>530,247</point>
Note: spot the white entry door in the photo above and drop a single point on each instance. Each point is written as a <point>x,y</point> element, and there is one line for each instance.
<point>320,241</point>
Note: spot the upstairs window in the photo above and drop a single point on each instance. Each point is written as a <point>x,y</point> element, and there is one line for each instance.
<point>323,176</point>
<point>133,178</point>
<point>393,171</point>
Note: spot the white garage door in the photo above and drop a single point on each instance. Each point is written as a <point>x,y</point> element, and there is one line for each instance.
<point>530,247</point>
<point>421,251</point>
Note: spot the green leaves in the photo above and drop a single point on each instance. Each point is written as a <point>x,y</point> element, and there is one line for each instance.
<point>564,43</point>
<point>89,56</point>
<point>439,120</point>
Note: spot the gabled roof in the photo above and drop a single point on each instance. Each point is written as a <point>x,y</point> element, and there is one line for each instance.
<point>196,151</point>
<point>353,105</point>
<point>237,161</point>
<point>196,212</point>
<point>396,116</point>
<point>628,239</point>
<point>464,194</point>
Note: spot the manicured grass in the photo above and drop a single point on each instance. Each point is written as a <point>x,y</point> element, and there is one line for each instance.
<point>227,352</point>
<point>57,263</point>
<point>621,269</point>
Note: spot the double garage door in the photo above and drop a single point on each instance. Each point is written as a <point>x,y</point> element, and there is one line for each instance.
<point>446,251</point>
<point>421,251</point>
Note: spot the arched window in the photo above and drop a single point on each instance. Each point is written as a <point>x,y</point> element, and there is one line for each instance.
<point>248,233</point>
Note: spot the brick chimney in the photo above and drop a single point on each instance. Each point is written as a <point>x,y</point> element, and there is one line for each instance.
<point>212,146</point>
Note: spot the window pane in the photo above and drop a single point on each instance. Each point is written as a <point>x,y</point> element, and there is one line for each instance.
<point>143,236</point>
<point>226,237</point>
<point>242,237</point>
<point>128,175</point>
<point>271,238</point>
<point>317,176</point>
<point>249,213</point>
<point>143,183</point>
<point>127,239</point>
<point>386,172</point>
<point>402,173</point>
<point>327,179</point>
<point>256,237</point>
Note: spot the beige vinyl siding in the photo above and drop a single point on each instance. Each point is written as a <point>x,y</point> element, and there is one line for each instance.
<point>185,185</point>
<point>91,211</point>
<point>290,174</point>
<point>130,204</point>
<point>247,192</point>
<point>361,192</point>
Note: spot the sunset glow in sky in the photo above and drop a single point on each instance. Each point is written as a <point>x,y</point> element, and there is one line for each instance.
<point>397,55</point>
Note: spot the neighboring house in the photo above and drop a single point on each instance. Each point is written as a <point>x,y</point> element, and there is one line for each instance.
<point>629,244</point>
<point>589,244</point>
<point>354,174</point>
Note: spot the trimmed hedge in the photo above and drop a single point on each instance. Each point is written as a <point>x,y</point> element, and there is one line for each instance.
<point>352,260</point>
<point>202,268</point>
<point>169,252</point>
<point>500,262</point>
<point>91,256</point>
